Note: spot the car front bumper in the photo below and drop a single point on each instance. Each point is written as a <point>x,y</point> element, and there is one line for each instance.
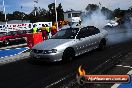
<point>52,57</point>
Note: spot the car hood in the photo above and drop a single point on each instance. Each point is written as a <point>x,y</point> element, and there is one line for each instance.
<point>51,44</point>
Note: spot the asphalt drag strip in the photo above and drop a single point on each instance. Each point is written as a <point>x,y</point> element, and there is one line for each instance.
<point>111,64</point>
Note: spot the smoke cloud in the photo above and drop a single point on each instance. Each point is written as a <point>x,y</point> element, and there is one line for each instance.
<point>128,24</point>
<point>95,18</point>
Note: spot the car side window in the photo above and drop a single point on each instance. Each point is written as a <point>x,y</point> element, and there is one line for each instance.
<point>88,31</point>
<point>13,33</point>
<point>82,33</point>
<point>19,32</point>
<point>96,30</point>
<point>2,34</point>
<point>9,33</point>
<point>93,31</point>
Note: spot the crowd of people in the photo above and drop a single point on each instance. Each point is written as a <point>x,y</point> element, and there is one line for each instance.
<point>47,31</point>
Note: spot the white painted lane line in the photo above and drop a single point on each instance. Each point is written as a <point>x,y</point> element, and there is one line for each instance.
<point>130,72</point>
<point>127,66</point>
<point>119,65</point>
<point>124,66</point>
<point>115,85</point>
<point>56,82</point>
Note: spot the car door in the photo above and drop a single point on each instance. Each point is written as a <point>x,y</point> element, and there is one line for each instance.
<point>17,35</point>
<point>83,41</point>
<point>94,36</point>
<point>10,36</point>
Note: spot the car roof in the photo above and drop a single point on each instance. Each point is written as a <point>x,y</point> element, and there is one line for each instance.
<point>78,27</point>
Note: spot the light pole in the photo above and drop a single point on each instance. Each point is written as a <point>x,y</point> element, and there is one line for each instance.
<point>56,15</point>
<point>4,9</point>
<point>22,14</point>
<point>5,14</point>
<point>36,1</point>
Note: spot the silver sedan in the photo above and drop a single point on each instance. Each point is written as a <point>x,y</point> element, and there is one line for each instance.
<point>69,42</point>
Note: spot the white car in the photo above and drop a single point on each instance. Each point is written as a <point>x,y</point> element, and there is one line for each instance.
<point>112,23</point>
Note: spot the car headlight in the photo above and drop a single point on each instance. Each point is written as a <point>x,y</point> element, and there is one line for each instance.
<point>50,51</point>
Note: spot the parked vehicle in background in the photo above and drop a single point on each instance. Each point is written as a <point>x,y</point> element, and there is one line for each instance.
<point>12,36</point>
<point>69,42</point>
<point>112,23</point>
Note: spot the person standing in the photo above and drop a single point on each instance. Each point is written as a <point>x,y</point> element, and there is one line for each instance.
<point>48,30</point>
<point>53,30</point>
<point>34,29</point>
<point>44,32</point>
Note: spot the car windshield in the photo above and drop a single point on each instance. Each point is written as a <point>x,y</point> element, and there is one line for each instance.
<point>2,34</point>
<point>68,33</point>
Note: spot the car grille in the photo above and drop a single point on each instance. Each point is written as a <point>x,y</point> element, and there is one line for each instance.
<point>37,51</point>
<point>40,51</point>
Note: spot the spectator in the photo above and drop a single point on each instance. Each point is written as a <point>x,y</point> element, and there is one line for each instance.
<point>44,32</point>
<point>53,29</point>
<point>34,29</point>
<point>48,30</point>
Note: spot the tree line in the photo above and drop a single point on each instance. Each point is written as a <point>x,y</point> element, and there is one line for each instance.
<point>49,15</point>
<point>41,14</point>
<point>109,13</point>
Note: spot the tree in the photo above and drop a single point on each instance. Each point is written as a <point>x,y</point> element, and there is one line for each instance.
<point>51,13</point>
<point>17,15</point>
<point>130,8</point>
<point>32,17</point>
<point>60,12</point>
<point>92,7</point>
<point>41,15</point>
<point>2,16</point>
<point>108,13</point>
<point>118,13</point>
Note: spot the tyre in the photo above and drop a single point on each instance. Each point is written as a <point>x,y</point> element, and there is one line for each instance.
<point>102,44</point>
<point>6,42</point>
<point>68,55</point>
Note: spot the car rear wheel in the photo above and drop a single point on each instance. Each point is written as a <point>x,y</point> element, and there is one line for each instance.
<point>6,42</point>
<point>68,55</point>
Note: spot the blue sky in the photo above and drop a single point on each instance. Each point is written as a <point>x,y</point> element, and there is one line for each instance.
<point>15,5</point>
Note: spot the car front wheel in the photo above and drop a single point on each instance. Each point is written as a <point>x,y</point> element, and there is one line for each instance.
<point>68,55</point>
